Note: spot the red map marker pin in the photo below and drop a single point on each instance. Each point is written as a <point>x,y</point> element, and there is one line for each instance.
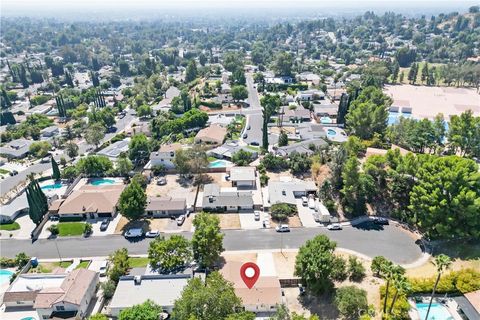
<point>249,273</point>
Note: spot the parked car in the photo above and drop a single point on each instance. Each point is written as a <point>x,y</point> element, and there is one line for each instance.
<point>180,220</point>
<point>161,181</point>
<point>104,224</point>
<point>134,233</point>
<point>283,228</point>
<point>245,136</point>
<point>54,217</point>
<point>334,226</point>
<point>266,224</point>
<point>304,201</point>
<point>45,159</point>
<point>152,234</point>
<point>103,268</point>
<point>254,143</point>
<point>13,173</point>
<point>256,215</point>
<point>248,127</point>
<point>380,220</point>
<point>311,202</point>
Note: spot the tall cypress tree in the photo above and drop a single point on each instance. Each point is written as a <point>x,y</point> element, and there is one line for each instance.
<point>55,169</point>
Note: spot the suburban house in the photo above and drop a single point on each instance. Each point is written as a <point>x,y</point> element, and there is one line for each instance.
<point>309,131</point>
<point>289,191</point>
<point>162,207</point>
<point>310,95</point>
<point>278,80</point>
<point>161,289</point>
<point>262,298</point>
<point>18,148</point>
<point>243,177</point>
<point>225,199</point>
<point>309,77</point>
<point>296,115</point>
<point>325,110</point>
<point>165,155</point>
<point>54,295</point>
<point>10,211</point>
<point>92,202</point>
<point>49,132</point>
<point>228,149</point>
<point>213,134</point>
<point>114,150</point>
<point>303,147</point>
<point>226,88</point>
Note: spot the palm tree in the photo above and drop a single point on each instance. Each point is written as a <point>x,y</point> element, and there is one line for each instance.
<point>442,262</point>
<point>389,271</point>
<point>402,286</point>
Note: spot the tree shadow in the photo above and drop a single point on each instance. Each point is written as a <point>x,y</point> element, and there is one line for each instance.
<point>143,223</point>
<point>461,249</point>
<point>368,226</point>
<point>184,181</point>
<point>321,305</point>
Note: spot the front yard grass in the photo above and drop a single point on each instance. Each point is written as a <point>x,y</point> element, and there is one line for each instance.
<point>49,267</point>
<point>3,171</point>
<point>83,264</point>
<point>137,262</point>
<point>211,159</point>
<point>10,226</point>
<point>66,229</point>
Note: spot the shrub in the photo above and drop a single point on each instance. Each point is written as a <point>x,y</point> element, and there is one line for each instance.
<point>356,269</point>
<point>350,300</point>
<point>108,288</point>
<point>7,262</point>
<point>281,211</point>
<point>339,269</point>
<point>462,281</point>
<point>53,229</point>
<point>21,260</point>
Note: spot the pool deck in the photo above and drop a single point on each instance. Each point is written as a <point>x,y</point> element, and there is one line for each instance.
<point>451,306</point>
<point>85,181</point>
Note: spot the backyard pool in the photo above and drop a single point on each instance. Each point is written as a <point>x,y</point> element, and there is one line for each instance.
<point>102,182</point>
<point>326,120</point>
<point>437,312</point>
<point>331,132</point>
<point>393,117</point>
<point>56,185</point>
<point>218,164</point>
<point>5,276</point>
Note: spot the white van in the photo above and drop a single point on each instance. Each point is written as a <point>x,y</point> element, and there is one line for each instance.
<point>311,202</point>
<point>134,233</point>
<point>304,201</point>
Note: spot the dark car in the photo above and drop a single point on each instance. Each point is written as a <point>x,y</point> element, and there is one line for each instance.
<point>104,225</point>
<point>380,220</point>
<point>254,143</point>
<point>13,173</point>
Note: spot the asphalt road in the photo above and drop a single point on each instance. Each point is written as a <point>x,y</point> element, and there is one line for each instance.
<point>389,241</point>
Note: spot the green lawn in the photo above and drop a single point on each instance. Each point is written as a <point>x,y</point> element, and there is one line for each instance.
<point>253,148</point>
<point>70,228</point>
<point>137,262</point>
<point>10,226</point>
<point>48,267</point>
<point>83,264</point>
<point>3,171</point>
<point>211,159</point>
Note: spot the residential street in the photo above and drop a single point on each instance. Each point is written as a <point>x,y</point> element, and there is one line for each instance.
<point>391,242</point>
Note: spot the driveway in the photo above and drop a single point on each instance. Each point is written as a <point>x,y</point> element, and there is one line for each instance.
<point>248,222</point>
<point>306,215</point>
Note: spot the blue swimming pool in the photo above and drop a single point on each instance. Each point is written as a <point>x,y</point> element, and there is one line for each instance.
<point>5,276</point>
<point>331,132</point>
<point>28,318</point>
<point>57,185</point>
<point>326,120</point>
<point>437,312</point>
<point>393,117</point>
<point>102,181</point>
<point>218,164</point>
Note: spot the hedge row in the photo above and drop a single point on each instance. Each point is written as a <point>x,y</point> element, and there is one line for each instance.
<point>462,281</point>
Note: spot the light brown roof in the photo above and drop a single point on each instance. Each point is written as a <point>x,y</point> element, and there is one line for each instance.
<point>165,204</point>
<point>91,198</point>
<point>213,133</point>
<point>170,147</point>
<point>265,291</point>
<point>72,289</point>
<point>19,296</point>
<point>474,299</point>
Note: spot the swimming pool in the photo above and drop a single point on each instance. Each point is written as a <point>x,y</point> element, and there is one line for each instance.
<point>393,117</point>
<point>5,276</point>
<point>218,164</point>
<point>437,312</point>
<point>331,132</point>
<point>57,185</point>
<point>326,120</point>
<point>28,318</point>
<point>102,181</point>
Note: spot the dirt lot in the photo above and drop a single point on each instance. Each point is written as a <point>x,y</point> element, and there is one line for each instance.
<point>277,176</point>
<point>160,224</point>
<point>175,188</point>
<point>219,178</point>
<point>288,130</point>
<point>293,222</point>
<point>284,263</point>
<point>429,270</point>
<point>229,221</point>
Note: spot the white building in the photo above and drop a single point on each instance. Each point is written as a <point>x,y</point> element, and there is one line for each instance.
<point>165,155</point>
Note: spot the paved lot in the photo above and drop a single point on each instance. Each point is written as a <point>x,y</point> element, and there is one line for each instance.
<point>248,222</point>
<point>390,241</point>
<point>306,215</point>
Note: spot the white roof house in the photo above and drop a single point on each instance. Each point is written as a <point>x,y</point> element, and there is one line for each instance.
<point>289,191</point>
<point>161,289</point>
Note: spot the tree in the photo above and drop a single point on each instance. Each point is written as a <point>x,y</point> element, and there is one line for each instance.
<point>412,73</point>
<point>94,166</point>
<point>119,264</point>
<point>181,162</point>
<point>464,134</point>
<point>210,300</point>
<point>402,286</point>
<point>353,196</point>
<point>98,316</point>
<point>169,255</point>
<point>37,201</point>
<point>55,170</point>
<point>315,263</point>
<point>40,148</point>
<point>283,139</point>
<point>132,201</point>
<point>350,301</point>
<point>108,288</point>
<point>124,166</point>
<point>239,92</point>
<point>144,111</point>
<point>445,199</point>
<point>94,134</point>
<point>191,71</point>
<point>270,104</point>
<point>425,73</point>
<point>281,211</point>
<point>242,158</point>
<point>389,272</point>
<point>377,265</point>
<point>69,173</point>
<point>145,311</point>
<point>368,113</point>
<point>299,163</point>
<point>139,148</point>
<point>207,240</point>
<point>21,260</point>
<point>283,64</point>
<point>355,269</point>
<point>442,262</point>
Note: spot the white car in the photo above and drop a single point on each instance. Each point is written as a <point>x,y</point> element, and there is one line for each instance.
<point>256,215</point>
<point>152,234</point>
<point>180,220</point>
<point>334,226</point>
<point>134,233</point>
<point>103,269</point>
<point>283,228</point>
<point>304,201</point>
